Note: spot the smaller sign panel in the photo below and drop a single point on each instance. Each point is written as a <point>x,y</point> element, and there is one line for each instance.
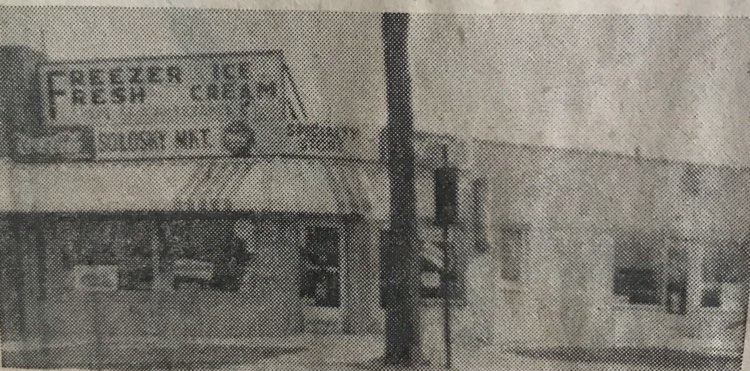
<point>220,139</point>
<point>158,141</point>
<point>95,277</point>
<point>61,143</point>
<point>188,140</point>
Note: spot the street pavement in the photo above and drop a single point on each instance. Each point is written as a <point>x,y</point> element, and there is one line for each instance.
<point>335,353</point>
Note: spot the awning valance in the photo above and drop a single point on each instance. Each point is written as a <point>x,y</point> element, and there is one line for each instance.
<point>98,187</point>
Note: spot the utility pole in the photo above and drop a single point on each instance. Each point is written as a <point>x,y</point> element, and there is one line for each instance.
<point>446,211</point>
<point>403,324</point>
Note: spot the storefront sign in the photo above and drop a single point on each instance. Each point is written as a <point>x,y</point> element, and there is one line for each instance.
<point>95,277</point>
<point>218,139</point>
<point>182,89</point>
<point>58,144</point>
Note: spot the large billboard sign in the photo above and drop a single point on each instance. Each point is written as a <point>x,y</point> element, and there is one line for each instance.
<point>211,105</point>
<point>202,88</point>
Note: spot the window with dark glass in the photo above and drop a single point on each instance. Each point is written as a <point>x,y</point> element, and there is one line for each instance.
<point>133,254</point>
<point>136,263</point>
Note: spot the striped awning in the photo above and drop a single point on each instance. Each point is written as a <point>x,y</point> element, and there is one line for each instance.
<point>262,185</point>
<point>212,186</point>
<point>278,185</point>
<point>272,185</point>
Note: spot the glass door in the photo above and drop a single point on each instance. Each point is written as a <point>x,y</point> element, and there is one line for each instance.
<point>320,278</point>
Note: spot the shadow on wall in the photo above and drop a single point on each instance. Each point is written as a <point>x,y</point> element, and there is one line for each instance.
<point>189,356</point>
<point>651,357</point>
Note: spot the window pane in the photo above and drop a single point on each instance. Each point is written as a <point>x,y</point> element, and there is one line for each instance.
<point>509,253</point>
<point>511,271</point>
<point>711,297</point>
<point>135,261</point>
<point>638,271</point>
<point>724,271</point>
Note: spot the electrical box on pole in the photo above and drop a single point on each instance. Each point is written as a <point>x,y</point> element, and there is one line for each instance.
<point>446,196</point>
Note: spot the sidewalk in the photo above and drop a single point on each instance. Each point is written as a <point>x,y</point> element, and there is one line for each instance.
<point>317,352</point>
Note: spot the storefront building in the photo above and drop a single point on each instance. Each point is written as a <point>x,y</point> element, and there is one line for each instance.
<point>188,196</point>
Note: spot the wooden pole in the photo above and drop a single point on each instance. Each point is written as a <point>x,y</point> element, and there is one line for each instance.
<point>403,325</point>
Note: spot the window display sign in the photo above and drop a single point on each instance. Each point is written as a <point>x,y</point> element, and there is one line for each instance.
<point>95,277</point>
<point>199,88</point>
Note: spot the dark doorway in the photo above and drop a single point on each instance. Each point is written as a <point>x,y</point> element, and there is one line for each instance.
<point>320,283</point>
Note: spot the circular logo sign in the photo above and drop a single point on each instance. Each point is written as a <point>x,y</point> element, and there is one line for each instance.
<point>238,138</point>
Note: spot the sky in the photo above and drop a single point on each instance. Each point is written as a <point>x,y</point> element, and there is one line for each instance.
<point>674,87</point>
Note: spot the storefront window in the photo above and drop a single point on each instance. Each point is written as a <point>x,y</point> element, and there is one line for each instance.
<point>111,255</point>
<point>205,254</point>
<point>724,273</point>
<point>639,274</point>
<point>509,252</point>
<point>125,254</point>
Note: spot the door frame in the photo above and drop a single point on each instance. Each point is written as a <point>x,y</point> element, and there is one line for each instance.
<point>340,313</point>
